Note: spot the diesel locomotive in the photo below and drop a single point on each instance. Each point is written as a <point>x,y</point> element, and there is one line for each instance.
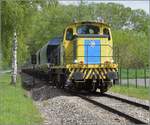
<point>81,59</point>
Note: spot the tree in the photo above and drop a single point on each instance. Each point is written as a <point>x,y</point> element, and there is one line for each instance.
<point>14,60</point>
<point>36,22</point>
<point>16,15</point>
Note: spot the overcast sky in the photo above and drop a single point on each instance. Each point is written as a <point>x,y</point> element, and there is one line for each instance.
<point>134,4</point>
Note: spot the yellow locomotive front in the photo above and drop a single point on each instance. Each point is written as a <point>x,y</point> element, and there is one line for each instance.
<point>88,56</point>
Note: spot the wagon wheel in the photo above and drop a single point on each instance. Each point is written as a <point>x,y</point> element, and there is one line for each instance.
<point>58,84</point>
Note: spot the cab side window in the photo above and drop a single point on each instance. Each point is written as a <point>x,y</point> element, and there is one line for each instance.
<point>69,34</point>
<point>106,32</point>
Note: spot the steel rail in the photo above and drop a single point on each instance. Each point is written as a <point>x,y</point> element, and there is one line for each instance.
<point>128,101</point>
<point>108,108</point>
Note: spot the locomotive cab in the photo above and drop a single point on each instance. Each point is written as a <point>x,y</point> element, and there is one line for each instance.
<point>88,43</point>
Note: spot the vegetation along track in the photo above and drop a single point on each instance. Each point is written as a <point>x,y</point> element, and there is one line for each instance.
<point>122,109</point>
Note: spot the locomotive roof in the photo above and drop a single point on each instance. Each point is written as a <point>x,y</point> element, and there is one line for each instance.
<point>90,22</point>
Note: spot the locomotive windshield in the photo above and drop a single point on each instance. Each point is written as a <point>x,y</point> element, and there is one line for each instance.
<point>88,29</point>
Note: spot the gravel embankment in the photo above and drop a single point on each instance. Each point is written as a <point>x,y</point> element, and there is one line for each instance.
<point>64,109</point>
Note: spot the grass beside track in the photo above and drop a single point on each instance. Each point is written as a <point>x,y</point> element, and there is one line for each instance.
<point>132,73</point>
<point>15,107</point>
<point>132,91</point>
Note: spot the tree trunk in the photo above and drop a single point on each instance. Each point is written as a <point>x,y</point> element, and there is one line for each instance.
<point>14,60</point>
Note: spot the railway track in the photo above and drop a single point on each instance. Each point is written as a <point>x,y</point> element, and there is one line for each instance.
<point>146,107</point>
<point>109,108</point>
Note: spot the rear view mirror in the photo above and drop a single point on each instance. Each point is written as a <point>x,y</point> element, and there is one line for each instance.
<point>33,59</point>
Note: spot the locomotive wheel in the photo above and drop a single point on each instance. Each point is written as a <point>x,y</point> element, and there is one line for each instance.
<point>103,88</point>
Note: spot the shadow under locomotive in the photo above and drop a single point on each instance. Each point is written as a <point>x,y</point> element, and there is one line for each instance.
<point>39,89</point>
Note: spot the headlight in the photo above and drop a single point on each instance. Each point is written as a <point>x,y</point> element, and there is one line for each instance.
<point>75,61</point>
<point>112,61</point>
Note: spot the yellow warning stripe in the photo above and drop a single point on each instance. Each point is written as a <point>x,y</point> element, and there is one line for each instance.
<point>104,70</point>
<point>82,70</point>
<point>88,74</point>
<point>108,69</point>
<point>85,73</point>
<point>113,70</point>
<point>91,74</point>
<point>94,73</point>
<point>96,70</point>
<point>102,73</point>
<point>99,75</point>
<point>71,73</point>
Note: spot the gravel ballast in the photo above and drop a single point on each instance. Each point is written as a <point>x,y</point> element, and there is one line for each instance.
<point>64,109</point>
